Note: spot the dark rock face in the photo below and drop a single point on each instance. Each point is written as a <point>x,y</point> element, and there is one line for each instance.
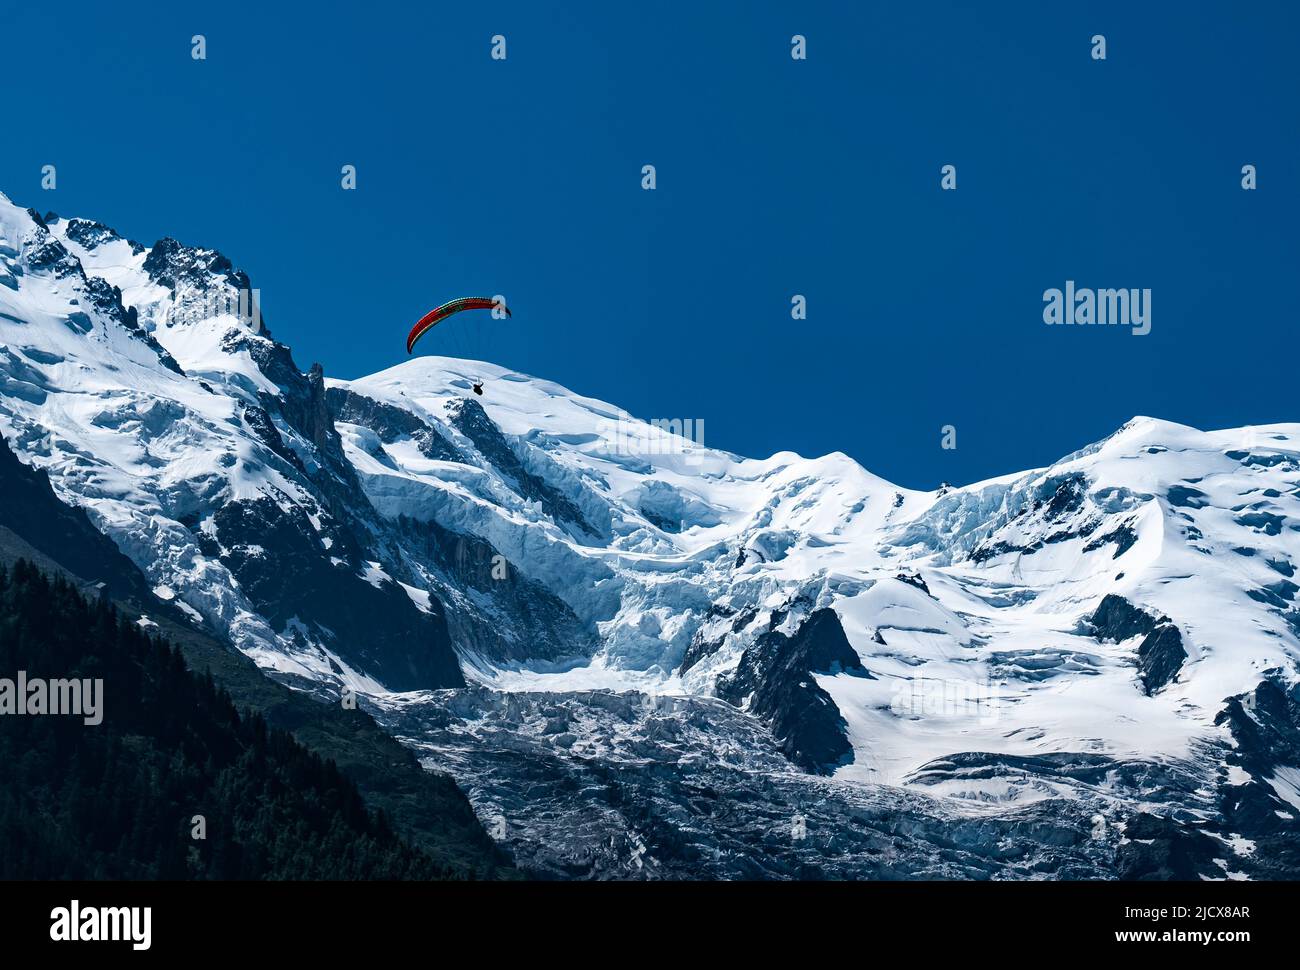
<point>1160,657</point>
<point>92,235</point>
<point>47,253</point>
<point>1055,507</point>
<point>1265,723</point>
<point>261,424</point>
<point>169,263</point>
<point>469,418</point>
<point>915,579</point>
<point>525,621</point>
<point>1160,654</point>
<point>1060,510</point>
<point>376,628</point>
<point>300,402</point>
<point>389,423</point>
<point>1068,497</point>
<point>1160,849</point>
<point>1280,594</point>
<point>1122,536</point>
<point>1117,619</point>
<point>774,682</point>
<point>1266,523</point>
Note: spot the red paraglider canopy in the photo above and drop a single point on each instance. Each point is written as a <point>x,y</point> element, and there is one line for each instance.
<point>438,314</point>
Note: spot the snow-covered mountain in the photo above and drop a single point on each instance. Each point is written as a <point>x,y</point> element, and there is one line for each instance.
<point>649,657</point>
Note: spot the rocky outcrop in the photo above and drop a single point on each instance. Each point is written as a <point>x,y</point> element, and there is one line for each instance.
<point>1260,803</point>
<point>774,681</point>
<point>1160,654</point>
<point>389,423</point>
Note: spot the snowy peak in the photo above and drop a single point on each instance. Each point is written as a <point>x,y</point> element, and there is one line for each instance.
<point>193,301</point>
<point>88,309</point>
<point>87,235</point>
<point>222,477</point>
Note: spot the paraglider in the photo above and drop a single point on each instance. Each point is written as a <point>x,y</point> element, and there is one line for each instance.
<point>438,314</point>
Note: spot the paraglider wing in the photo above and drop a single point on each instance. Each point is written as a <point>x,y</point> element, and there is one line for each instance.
<point>438,314</point>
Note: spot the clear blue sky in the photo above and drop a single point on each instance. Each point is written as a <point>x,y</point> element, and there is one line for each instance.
<point>775,177</point>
